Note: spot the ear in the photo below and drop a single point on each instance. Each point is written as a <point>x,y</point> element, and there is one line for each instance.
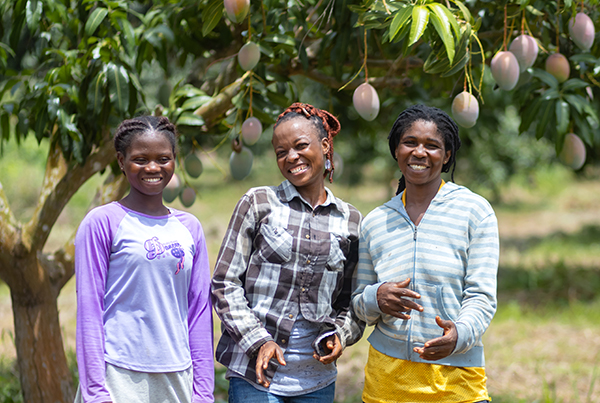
<point>325,145</point>
<point>121,161</point>
<point>447,157</point>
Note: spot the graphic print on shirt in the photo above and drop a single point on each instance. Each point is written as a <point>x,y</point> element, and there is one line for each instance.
<point>156,250</point>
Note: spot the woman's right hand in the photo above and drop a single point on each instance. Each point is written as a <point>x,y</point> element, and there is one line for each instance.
<point>267,351</point>
<point>392,299</point>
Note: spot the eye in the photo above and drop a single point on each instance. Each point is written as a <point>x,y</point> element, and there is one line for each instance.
<point>280,154</point>
<point>165,160</point>
<point>301,146</point>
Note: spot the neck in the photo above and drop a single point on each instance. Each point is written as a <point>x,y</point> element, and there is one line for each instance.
<point>149,205</point>
<point>422,194</point>
<point>314,196</point>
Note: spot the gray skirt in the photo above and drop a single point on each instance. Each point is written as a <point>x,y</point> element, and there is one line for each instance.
<point>127,386</point>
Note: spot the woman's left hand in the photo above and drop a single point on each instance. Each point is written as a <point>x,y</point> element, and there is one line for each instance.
<point>334,345</point>
<point>440,347</point>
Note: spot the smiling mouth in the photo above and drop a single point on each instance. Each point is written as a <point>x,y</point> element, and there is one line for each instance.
<point>418,167</point>
<point>152,180</point>
<point>299,169</point>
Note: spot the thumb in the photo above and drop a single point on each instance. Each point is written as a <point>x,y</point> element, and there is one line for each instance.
<point>279,355</point>
<point>444,324</point>
<point>403,284</point>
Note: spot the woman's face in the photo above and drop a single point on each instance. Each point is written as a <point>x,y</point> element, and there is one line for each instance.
<point>149,163</point>
<point>300,152</point>
<point>421,153</point>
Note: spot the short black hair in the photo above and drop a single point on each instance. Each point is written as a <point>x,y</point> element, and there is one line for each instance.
<point>130,128</point>
<point>446,127</point>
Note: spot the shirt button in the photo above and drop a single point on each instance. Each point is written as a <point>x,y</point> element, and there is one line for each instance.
<point>307,236</point>
<point>282,341</point>
<point>303,289</point>
<point>291,316</point>
<point>307,260</point>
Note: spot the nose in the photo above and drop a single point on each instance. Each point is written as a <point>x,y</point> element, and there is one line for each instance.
<point>419,151</point>
<point>292,155</point>
<point>152,166</point>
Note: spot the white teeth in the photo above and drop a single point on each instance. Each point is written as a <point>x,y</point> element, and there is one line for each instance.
<point>153,180</point>
<point>418,167</point>
<point>298,169</point>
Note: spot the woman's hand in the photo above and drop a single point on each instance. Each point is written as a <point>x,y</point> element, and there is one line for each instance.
<point>392,299</point>
<point>333,344</point>
<point>440,347</point>
<point>267,351</point>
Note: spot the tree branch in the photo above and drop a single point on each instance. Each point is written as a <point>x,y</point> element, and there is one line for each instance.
<point>8,230</point>
<point>60,265</point>
<point>220,104</point>
<point>60,184</point>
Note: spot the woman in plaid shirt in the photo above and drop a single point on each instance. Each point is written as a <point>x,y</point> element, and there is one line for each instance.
<point>283,278</point>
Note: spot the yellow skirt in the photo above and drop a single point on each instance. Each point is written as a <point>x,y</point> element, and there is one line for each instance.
<point>392,380</point>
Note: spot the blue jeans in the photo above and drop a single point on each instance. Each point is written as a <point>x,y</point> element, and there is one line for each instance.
<point>241,391</point>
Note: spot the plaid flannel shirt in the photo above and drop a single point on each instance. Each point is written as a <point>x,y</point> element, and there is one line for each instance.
<point>279,258</point>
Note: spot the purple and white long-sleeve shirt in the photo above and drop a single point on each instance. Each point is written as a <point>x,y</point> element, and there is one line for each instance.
<point>143,297</point>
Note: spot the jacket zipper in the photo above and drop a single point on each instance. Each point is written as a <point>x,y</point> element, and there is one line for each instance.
<point>412,286</point>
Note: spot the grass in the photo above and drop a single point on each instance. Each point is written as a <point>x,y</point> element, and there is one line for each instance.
<point>544,343</point>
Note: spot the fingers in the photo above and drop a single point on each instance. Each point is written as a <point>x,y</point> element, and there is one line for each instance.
<point>279,356</point>
<point>335,347</point>
<point>267,351</point>
<point>397,300</point>
<point>440,347</point>
<point>444,324</point>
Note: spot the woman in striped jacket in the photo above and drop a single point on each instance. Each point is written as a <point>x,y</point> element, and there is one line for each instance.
<point>426,276</point>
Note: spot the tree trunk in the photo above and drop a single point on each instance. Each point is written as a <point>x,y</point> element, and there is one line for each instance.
<point>43,368</point>
<point>44,373</point>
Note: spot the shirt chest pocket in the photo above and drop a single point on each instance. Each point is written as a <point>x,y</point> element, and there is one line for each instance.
<point>338,250</point>
<point>274,244</point>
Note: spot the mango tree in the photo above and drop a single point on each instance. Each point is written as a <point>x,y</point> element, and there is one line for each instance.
<point>70,71</point>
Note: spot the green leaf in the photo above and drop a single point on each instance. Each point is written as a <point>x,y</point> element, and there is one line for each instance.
<point>189,119</point>
<point>562,116</point>
<point>545,77</point>
<point>465,11</point>
<point>96,92</point>
<point>40,124</point>
<point>574,83</point>
<point>128,33</point>
<point>118,86</point>
<point>529,114</point>
<point>446,17</point>
<point>98,15</point>
<point>278,99</point>
<point>546,109</point>
<point>443,29</point>
<point>420,19</point>
<point>585,58</point>
<point>551,93</point>
<point>281,39</point>
<point>576,101</point>
<point>400,19</point>
<point>196,102</point>
<point>211,15</point>
<point>5,125</point>
<point>33,13</point>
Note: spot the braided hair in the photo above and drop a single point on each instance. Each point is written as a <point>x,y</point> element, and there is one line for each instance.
<point>130,128</point>
<point>446,127</point>
<point>326,124</point>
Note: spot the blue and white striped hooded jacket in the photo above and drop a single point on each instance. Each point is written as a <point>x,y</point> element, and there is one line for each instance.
<point>452,259</point>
